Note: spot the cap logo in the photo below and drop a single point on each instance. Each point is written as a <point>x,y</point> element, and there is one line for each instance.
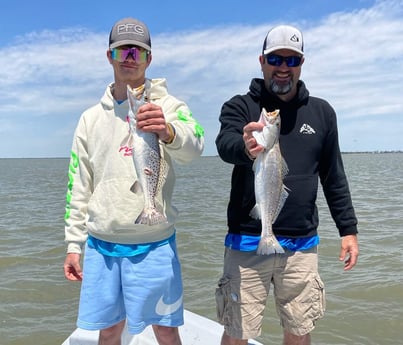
<point>294,38</point>
<point>127,28</point>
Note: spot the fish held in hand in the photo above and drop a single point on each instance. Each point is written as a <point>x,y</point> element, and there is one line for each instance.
<point>270,193</point>
<point>150,167</point>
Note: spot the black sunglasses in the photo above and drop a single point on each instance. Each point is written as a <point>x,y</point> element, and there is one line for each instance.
<point>277,60</point>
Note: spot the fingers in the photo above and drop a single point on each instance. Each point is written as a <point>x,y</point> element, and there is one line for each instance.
<point>150,118</point>
<point>73,273</point>
<point>72,268</point>
<point>149,111</point>
<point>350,262</point>
<point>251,146</point>
<point>349,251</point>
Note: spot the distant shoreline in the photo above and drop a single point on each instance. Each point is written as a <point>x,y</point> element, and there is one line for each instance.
<point>353,152</point>
<point>343,152</point>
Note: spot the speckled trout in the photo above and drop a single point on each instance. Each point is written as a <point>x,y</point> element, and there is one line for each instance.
<point>270,169</point>
<point>150,168</point>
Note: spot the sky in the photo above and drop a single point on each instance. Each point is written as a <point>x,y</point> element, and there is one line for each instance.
<point>53,63</point>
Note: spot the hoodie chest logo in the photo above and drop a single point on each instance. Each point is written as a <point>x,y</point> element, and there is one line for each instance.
<point>306,129</point>
<point>126,147</point>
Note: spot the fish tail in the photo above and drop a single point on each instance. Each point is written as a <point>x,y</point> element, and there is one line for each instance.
<point>150,216</point>
<point>269,245</point>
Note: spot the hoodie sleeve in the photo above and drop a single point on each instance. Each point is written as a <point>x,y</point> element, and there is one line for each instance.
<point>235,115</point>
<point>188,142</point>
<point>334,181</point>
<point>79,190</point>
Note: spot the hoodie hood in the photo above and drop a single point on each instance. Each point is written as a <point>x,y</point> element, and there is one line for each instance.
<point>158,89</point>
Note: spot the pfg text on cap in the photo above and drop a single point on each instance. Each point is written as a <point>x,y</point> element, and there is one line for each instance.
<point>130,31</point>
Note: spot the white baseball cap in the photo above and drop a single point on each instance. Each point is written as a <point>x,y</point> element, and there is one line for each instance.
<point>283,37</point>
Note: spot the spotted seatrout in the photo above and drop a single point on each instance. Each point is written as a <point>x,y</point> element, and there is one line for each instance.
<point>151,168</point>
<point>270,169</point>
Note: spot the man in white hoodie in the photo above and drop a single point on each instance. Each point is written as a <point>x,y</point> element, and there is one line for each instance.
<point>131,272</point>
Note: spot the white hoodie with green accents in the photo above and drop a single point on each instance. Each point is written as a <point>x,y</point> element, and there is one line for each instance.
<point>99,198</point>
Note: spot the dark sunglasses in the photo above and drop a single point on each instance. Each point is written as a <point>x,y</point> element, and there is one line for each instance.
<point>277,60</point>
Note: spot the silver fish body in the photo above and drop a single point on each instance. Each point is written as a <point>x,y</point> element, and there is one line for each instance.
<point>149,166</point>
<point>270,193</point>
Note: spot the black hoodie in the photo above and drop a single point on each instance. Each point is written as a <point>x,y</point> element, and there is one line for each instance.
<point>309,145</point>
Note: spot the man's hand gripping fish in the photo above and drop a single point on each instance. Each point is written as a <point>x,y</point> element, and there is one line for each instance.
<point>270,169</point>
<point>150,168</point>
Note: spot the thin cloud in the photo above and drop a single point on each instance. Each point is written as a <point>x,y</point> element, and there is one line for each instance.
<point>353,60</point>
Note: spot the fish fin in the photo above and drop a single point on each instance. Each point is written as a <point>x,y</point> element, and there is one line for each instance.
<point>255,212</point>
<point>262,137</point>
<point>130,140</point>
<point>284,168</point>
<point>257,162</point>
<point>283,198</point>
<point>150,216</point>
<point>269,245</point>
<point>136,188</point>
<point>258,136</point>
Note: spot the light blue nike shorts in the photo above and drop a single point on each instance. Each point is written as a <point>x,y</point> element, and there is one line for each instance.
<point>145,289</point>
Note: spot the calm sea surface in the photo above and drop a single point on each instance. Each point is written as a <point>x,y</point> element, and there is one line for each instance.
<point>364,306</point>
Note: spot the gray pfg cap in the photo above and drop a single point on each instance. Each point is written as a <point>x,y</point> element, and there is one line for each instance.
<point>130,31</point>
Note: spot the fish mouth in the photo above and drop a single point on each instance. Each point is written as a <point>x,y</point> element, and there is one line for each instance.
<point>272,117</point>
<point>272,114</point>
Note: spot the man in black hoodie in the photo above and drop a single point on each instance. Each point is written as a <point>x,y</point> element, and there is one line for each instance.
<point>309,145</point>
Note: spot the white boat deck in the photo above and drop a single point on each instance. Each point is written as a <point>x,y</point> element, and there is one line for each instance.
<point>197,330</point>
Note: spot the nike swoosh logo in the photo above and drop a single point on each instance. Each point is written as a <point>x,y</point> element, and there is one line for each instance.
<point>165,309</point>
